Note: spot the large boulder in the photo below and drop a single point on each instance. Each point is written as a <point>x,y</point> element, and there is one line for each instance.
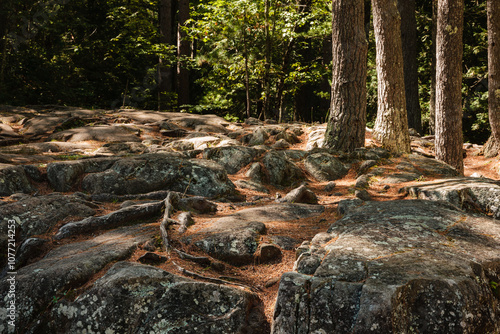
<point>470,194</point>
<point>395,267</point>
<point>40,285</point>
<point>153,172</point>
<point>144,299</point>
<point>232,158</point>
<point>325,167</point>
<point>13,179</point>
<point>281,170</point>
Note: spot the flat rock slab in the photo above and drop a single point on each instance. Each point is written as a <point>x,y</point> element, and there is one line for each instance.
<point>48,147</point>
<point>395,267</point>
<point>37,215</point>
<point>277,212</point>
<point>235,238</point>
<point>102,133</point>
<point>200,123</point>
<point>40,285</point>
<point>143,299</point>
<point>471,194</point>
<point>414,167</point>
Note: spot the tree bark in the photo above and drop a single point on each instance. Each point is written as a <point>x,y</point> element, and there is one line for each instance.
<point>494,76</point>
<point>409,41</point>
<point>304,97</point>
<point>432,102</point>
<point>166,74</point>
<point>391,125</point>
<point>347,122</point>
<point>183,51</point>
<point>267,66</point>
<point>449,50</point>
<point>247,76</point>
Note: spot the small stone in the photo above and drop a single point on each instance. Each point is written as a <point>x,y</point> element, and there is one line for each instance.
<point>149,246</point>
<point>301,194</point>
<point>362,182</point>
<point>268,253</point>
<point>330,186</point>
<point>281,144</point>
<point>363,195</point>
<point>303,248</point>
<point>272,282</point>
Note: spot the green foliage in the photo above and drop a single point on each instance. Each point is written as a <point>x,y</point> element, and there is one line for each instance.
<point>474,84</point>
<point>104,53</point>
<point>233,32</point>
<point>81,52</point>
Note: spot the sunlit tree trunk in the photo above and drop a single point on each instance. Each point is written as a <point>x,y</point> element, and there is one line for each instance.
<point>493,146</point>
<point>183,51</point>
<point>449,50</point>
<point>391,125</point>
<point>409,41</point>
<point>347,122</point>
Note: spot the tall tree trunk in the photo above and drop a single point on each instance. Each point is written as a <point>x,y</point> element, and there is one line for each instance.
<point>432,102</point>
<point>347,122</point>
<point>183,52</point>
<point>304,98</point>
<point>267,66</point>
<point>166,74</point>
<point>247,76</point>
<point>409,41</point>
<point>494,77</point>
<point>449,50</point>
<point>391,125</point>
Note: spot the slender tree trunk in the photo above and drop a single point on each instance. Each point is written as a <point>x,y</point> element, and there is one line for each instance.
<point>304,98</point>
<point>247,76</point>
<point>281,82</point>
<point>347,122</point>
<point>494,77</point>
<point>267,67</point>
<point>368,11</point>
<point>449,50</point>
<point>432,102</point>
<point>166,74</point>
<point>391,125</point>
<point>409,41</point>
<point>183,51</point>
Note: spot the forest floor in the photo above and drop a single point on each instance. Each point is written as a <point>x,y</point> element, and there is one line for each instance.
<point>264,278</point>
